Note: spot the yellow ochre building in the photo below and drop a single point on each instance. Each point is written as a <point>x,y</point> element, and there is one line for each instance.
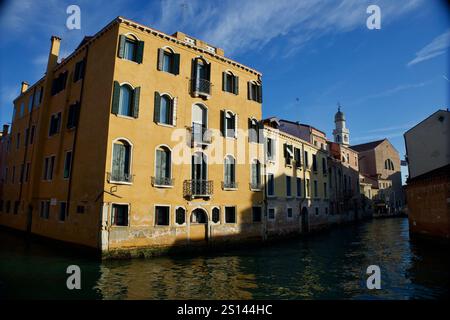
<point>137,140</point>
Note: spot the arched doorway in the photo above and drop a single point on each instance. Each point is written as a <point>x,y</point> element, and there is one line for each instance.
<point>305,222</point>
<point>198,226</point>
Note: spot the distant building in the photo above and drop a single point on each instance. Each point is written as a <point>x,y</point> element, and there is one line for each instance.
<point>379,164</point>
<point>341,134</point>
<point>428,183</point>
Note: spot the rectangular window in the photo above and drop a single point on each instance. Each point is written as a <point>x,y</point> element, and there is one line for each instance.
<point>270,148</point>
<point>271,214</point>
<point>27,136</point>
<point>67,164</point>
<point>325,190</point>
<point>314,164</point>
<point>49,164</point>
<point>307,188</point>
<point>162,215</point>
<point>270,185</point>
<point>316,191</point>
<point>120,214</point>
<point>72,119</point>
<point>230,214</point>
<point>306,159</point>
<point>59,83</point>
<point>79,71</point>
<point>55,124</point>
<point>8,206</point>
<point>254,91</point>
<point>299,187</point>
<point>297,157</point>
<point>62,211</point>
<point>33,128</point>
<point>324,166</point>
<point>289,213</point>
<point>288,187</point>
<point>30,103</point>
<point>45,209</point>
<point>256,214</point>
<point>288,153</point>
<point>230,82</point>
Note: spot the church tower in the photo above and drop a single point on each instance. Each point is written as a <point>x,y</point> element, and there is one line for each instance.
<point>341,133</point>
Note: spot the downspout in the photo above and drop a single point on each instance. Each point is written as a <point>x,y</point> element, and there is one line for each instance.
<point>266,211</point>
<point>74,144</point>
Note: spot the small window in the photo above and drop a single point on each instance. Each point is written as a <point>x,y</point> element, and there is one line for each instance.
<point>325,190</point>
<point>162,215</point>
<point>316,191</point>
<point>253,131</point>
<point>216,215</point>
<point>55,124</point>
<point>306,159</point>
<point>314,162</point>
<point>67,164</point>
<point>121,162</point>
<point>229,124</point>
<point>59,83</point>
<point>164,109</point>
<point>8,206</point>
<point>270,185</point>
<point>257,214</point>
<point>16,207</point>
<point>163,167</point>
<point>307,190</point>
<point>125,100</point>
<point>288,153</point>
<point>120,215</point>
<point>299,187</point>
<point>45,209</point>
<point>80,209</point>
<point>62,211</point>
<point>168,61</point>
<point>131,49</point>
<point>288,187</point>
<point>271,214</point>
<point>49,164</point>
<point>230,82</point>
<point>254,91</point>
<point>180,216</point>
<point>289,213</point>
<point>230,214</point>
<point>255,183</point>
<point>317,211</point>
<point>79,71</point>
<point>72,119</point>
<point>230,173</point>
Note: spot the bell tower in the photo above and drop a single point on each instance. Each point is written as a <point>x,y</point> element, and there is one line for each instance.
<point>341,133</point>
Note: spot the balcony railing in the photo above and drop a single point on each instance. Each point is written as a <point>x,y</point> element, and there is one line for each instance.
<point>119,177</point>
<point>200,134</point>
<point>201,87</point>
<point>229,185</point>
<point>197,188</point>
<point>162,181</point>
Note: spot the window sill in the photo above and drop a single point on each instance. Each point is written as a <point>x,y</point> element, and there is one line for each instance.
<point>272,197</point>
<point>125,59</point>
<point>169,73</point>
<point>230,189</point>
<point>165,125</point>
<point>180,225</point>
<point>124,117</point>
<point>120,182</point>
<point>256,190</point>
<point>163,186</point>
<point>289,197</point>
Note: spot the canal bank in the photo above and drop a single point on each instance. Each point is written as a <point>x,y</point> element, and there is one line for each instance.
<point>328,265</point>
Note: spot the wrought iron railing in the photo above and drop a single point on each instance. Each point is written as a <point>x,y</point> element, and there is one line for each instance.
<point>113,177</point>
<point>229,185</point>
<point>201,86</point>
<point>198,188</point>
<point>201,134</point>
<point>162,181</point>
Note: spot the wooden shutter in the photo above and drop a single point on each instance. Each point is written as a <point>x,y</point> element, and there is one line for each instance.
<point>157,107</point>
<point>121,46</point>
<point>176,63</point>
<point>224,81</point>
<point>236,85</point>
<point>160,59</point>
<point>223,122</point>
<point>140,51</point>
<point>259,92</point>
<point>174,111</point>
<point>116,98</point>
<point>249,88</point>
<point>136,95</point>
<point>235,125</point>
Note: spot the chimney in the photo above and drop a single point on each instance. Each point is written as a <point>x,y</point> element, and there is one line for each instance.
<point>24,87</point>
<point>5,130</point>
<point>54,52</point>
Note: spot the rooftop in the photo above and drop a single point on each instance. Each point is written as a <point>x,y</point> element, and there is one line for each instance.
<point>366,146</point>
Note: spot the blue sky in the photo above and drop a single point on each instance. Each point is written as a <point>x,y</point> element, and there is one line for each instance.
<point>312,53</point>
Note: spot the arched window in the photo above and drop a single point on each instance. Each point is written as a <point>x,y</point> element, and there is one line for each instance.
<point>163,164</point>
<point>164,111</point>
<point>121,162</point>
<point>125,100</point>
<point>253,130</point>
<point>230,82</point>
<point>130,48</point>
<point>216,215</point>
<point>180,216</point>
<point>201,82</point>
<point>388,164</point>
<point>168,61</point>
<point>230,173</point>
<point>230,124</point>
<point>256,175</point>
<point>199,123</point>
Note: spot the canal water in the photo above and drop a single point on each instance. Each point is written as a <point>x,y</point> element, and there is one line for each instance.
<point>329,265</point>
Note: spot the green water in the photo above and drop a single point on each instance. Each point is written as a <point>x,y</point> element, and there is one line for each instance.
<point>330,265</point>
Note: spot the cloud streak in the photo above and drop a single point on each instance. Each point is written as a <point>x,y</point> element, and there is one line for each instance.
<point>435,48</point>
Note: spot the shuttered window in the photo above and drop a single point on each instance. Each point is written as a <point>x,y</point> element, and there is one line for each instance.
<point>55,124</point>
<point>230,83</point>
<point>254,91</point>
<point>168,61</point>
<point>125,100</point>
<point>131,49</point>
<point>256,175</point>
<point>165,109</point>
<point>121,161</point>
<point>163,163</point>
<point>230,174</point>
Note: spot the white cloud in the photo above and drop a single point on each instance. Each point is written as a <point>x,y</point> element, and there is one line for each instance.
<point>435,48</point>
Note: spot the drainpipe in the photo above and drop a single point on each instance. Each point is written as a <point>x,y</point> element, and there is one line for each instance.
<point>266,210</point>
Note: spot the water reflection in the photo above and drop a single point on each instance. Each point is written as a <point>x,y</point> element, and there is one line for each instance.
<point>331,265</point>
